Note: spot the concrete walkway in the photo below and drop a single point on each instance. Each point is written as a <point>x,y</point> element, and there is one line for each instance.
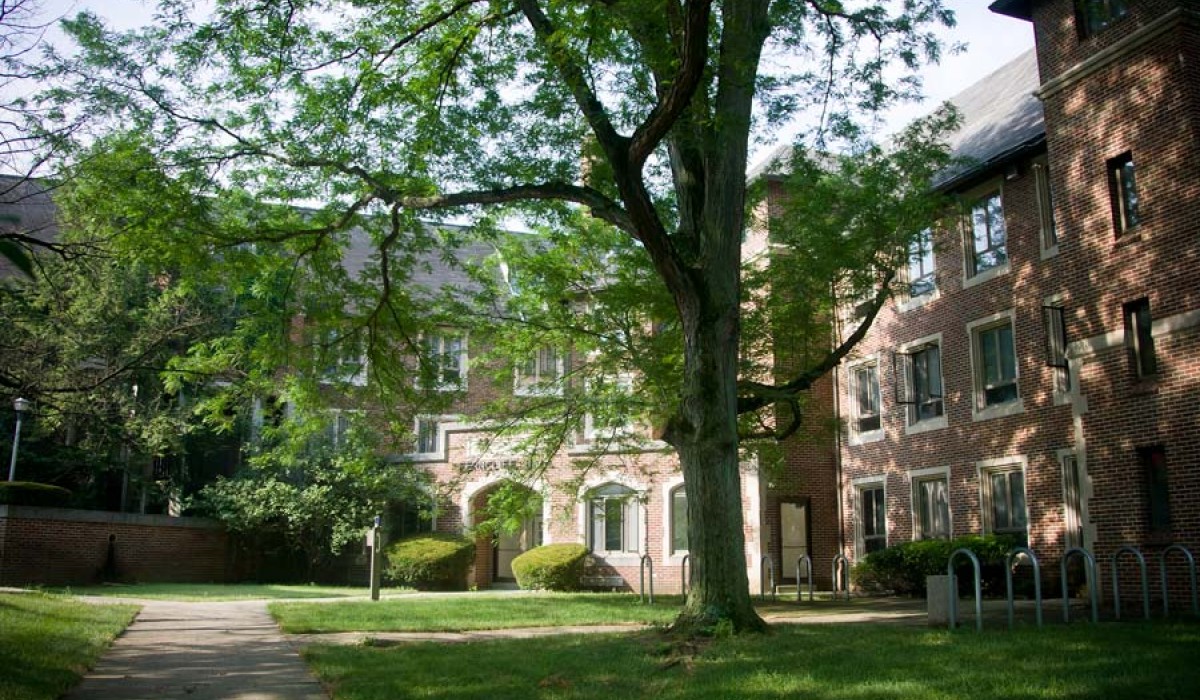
<point>230,650</point>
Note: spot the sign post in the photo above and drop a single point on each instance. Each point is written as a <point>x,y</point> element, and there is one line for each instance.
<point>375,544</point>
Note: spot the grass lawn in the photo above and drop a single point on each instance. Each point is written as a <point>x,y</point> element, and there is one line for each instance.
<point>815,662</point>
<point>215,592</point>
<point>473,612</point>
<point>47,642</point>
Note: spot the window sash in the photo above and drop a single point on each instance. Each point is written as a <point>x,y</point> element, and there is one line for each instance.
<point>934,507</point>
<point>1007,494</point>
<point>615,515</point>
<point>999,365</point>
<point>988,233</point>
<point>1139,336</point>
<point>872,518</point>
<point>927,382</point>
<point>867,399</point>
<point>428,432</point>
<point>1093,16</point>
<point>679,521</point>
<point>921,265</point>
<point>1123,185</point>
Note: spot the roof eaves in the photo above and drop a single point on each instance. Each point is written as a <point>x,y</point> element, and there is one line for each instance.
<point>1018,9</point>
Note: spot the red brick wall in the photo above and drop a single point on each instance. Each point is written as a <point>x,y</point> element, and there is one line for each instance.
<point>59,547</point>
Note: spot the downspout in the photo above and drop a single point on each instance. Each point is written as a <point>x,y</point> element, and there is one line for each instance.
<point>837,413</point>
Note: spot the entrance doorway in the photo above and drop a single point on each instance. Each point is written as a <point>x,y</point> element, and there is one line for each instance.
<point>794,521</point>
<point>511,544</point>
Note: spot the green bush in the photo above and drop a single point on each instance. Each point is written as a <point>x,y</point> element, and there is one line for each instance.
<point>28,493</point>
<point>432,561</point>
<point>551,567</point>
<point>902,568</point>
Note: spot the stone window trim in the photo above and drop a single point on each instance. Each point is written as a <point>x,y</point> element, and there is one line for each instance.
<point>904,379</point>
<point>916,478</point>
<point>985,469</point>
<point>639,491</point>
<point>989,195</point>
<point>979,409</point>
<point>855,436</point>
<point>858,485</point>
<point>442,426</point>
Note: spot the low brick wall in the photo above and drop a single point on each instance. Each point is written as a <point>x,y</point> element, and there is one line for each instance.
<point>61,547</point>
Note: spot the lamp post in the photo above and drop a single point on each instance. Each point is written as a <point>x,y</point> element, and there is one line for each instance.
<point>20,406</point>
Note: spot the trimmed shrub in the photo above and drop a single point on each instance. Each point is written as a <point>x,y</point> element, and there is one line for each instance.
<point>902,568</point>
<point>432,561</point>
<point>29,493</point>
<point>551,567</point>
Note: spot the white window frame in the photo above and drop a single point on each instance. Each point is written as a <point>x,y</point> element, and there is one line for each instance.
<point>439,385</point>
<point>979,409</point>
<point>916,477</point>
<point>669,488</point>
<point>856,436</point>
<point>971,275</point>
<point>913,424</point>
<point>858,485</point>
<point>337,416</point>
<point>985,469</point>
<point>906,300</point>
<point>590,432</point>
<point>537,384</point>
<point>633,508</point>
<point>342,370</point>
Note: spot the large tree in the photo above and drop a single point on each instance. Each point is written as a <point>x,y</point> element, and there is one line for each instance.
<point>639,112</point>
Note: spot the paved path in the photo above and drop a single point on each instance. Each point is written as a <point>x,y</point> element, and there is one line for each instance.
<point>203,651</point>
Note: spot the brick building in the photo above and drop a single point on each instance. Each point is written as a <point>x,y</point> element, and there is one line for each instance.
<point>1039,371</point>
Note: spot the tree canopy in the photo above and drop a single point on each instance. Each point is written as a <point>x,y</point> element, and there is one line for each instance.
<point>637,114</point>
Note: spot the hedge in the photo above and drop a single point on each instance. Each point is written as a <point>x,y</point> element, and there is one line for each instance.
<point>29,493</point>
<point>902,568</point>
<point>551,567</point>
<point>432,561</point>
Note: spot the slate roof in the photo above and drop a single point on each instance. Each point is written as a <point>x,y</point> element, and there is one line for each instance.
<point>1001,118</point>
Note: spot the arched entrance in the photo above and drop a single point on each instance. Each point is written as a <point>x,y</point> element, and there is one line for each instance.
<point>508,519</point>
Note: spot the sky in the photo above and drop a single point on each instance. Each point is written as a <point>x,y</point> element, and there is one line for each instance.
<point>992,40</point>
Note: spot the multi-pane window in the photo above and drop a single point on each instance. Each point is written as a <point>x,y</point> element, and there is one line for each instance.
<point>540,373</point>
<point>919,382</point>
<point>1041,176</point>
<point>1122,187</point>
<point>1093,16</point>
<point>679,521</point>
<point>445,360</point>
<point>872,518</point>
<point>996,376</point>
<point>866,398</point>
<point>921,265</point>
<point>988,235</point>
<point>428,437</point>
<point>933,508</point>
<point>615,516</point>
<point>1158,491</point>
<point>1005,494</point>
<point>1139,338</point>
<point>1054,317</point>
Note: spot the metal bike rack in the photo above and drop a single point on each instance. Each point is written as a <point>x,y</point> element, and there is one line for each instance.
<point>1162,567</point>
<point>685,574</point>
<point>952,589</point>
<point>766,564</point>
<point>1009,562</point>
<point>1116,580</point>
<point>1093,579</point>
<point>845,577</point>
<point>646,562</point>
<point>807,561</point>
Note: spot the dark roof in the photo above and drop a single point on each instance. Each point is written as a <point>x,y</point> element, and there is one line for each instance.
<point>1001,118</point>
<point>1020,9</point>
<point>433,271</point>
<point>26,209</point>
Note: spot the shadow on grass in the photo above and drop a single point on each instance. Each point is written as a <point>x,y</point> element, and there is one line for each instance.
<point>816,662</point>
